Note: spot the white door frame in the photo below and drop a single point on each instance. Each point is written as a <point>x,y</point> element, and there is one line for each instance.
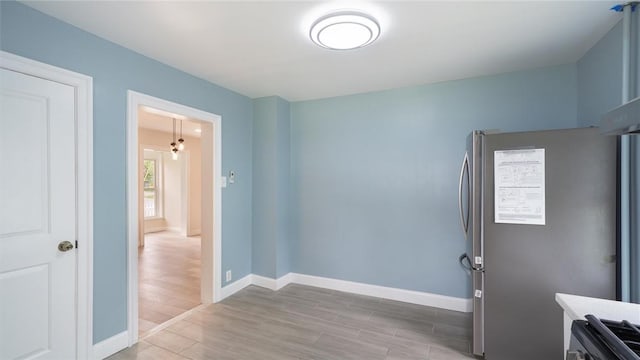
<point>185,192</point>
<point>83,86</point>
<point>211,291</point>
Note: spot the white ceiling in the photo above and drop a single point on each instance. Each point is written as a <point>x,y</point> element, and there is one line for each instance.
<point>262,48</point>
<point>158,122</point>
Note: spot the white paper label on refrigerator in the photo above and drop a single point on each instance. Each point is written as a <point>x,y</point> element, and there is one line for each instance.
<point>519,186</point>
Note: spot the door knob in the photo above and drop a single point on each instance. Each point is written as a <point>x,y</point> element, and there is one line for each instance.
<point>65,246</point>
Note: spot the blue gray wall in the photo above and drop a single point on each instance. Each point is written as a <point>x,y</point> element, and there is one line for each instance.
<point>600,78</point>
<point>26,32</point>
<point>271,139</point>
<point>361,188</point>
<point>374,176</point>
<point>283,263</point>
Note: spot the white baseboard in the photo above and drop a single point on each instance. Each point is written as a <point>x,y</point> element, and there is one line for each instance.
<point>284,280</point>
<point>148,230</point>
<point>264,282</point>
<point>110,346</point>
<point>272,284</point>
<point>236,286</point>
<point>408,296</point>
<point>194,232</point>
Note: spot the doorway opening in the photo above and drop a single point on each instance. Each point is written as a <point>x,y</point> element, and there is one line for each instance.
<point>174,208</point>
<point>169,217</point>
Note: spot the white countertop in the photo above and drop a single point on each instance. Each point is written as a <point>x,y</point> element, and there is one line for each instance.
<point>576,307</point>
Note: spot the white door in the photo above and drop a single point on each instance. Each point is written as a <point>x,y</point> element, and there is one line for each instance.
<point>37,213</point>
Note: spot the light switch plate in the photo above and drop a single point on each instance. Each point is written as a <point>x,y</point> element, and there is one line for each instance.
<point>223,181</point>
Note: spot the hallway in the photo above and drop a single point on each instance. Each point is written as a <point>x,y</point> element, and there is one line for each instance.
<point>169,277</point>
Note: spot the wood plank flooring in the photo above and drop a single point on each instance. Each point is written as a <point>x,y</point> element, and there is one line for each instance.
<point>168,278</point>
<point>301,322</point>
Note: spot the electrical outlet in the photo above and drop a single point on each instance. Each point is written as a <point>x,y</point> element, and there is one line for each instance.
<point>228,275</point>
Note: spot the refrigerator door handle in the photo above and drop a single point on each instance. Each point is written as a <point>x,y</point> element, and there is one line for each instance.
<point>464,222</point>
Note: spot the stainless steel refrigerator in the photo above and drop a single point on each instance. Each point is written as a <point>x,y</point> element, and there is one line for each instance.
<point>538,210</point>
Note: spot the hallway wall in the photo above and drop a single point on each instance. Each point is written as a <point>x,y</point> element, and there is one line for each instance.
<point>194,149</point>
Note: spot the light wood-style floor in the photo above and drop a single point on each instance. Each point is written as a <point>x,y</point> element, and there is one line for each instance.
<point>301,322</point>
<point>168,278</point>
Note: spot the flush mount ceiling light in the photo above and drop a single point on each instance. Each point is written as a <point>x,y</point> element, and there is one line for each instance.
<point>344,30</point>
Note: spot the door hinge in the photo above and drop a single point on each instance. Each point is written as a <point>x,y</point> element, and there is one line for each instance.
<point>76,244</point>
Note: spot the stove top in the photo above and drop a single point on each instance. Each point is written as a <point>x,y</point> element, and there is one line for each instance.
<point>628,333</point>
<point>606,339</point>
